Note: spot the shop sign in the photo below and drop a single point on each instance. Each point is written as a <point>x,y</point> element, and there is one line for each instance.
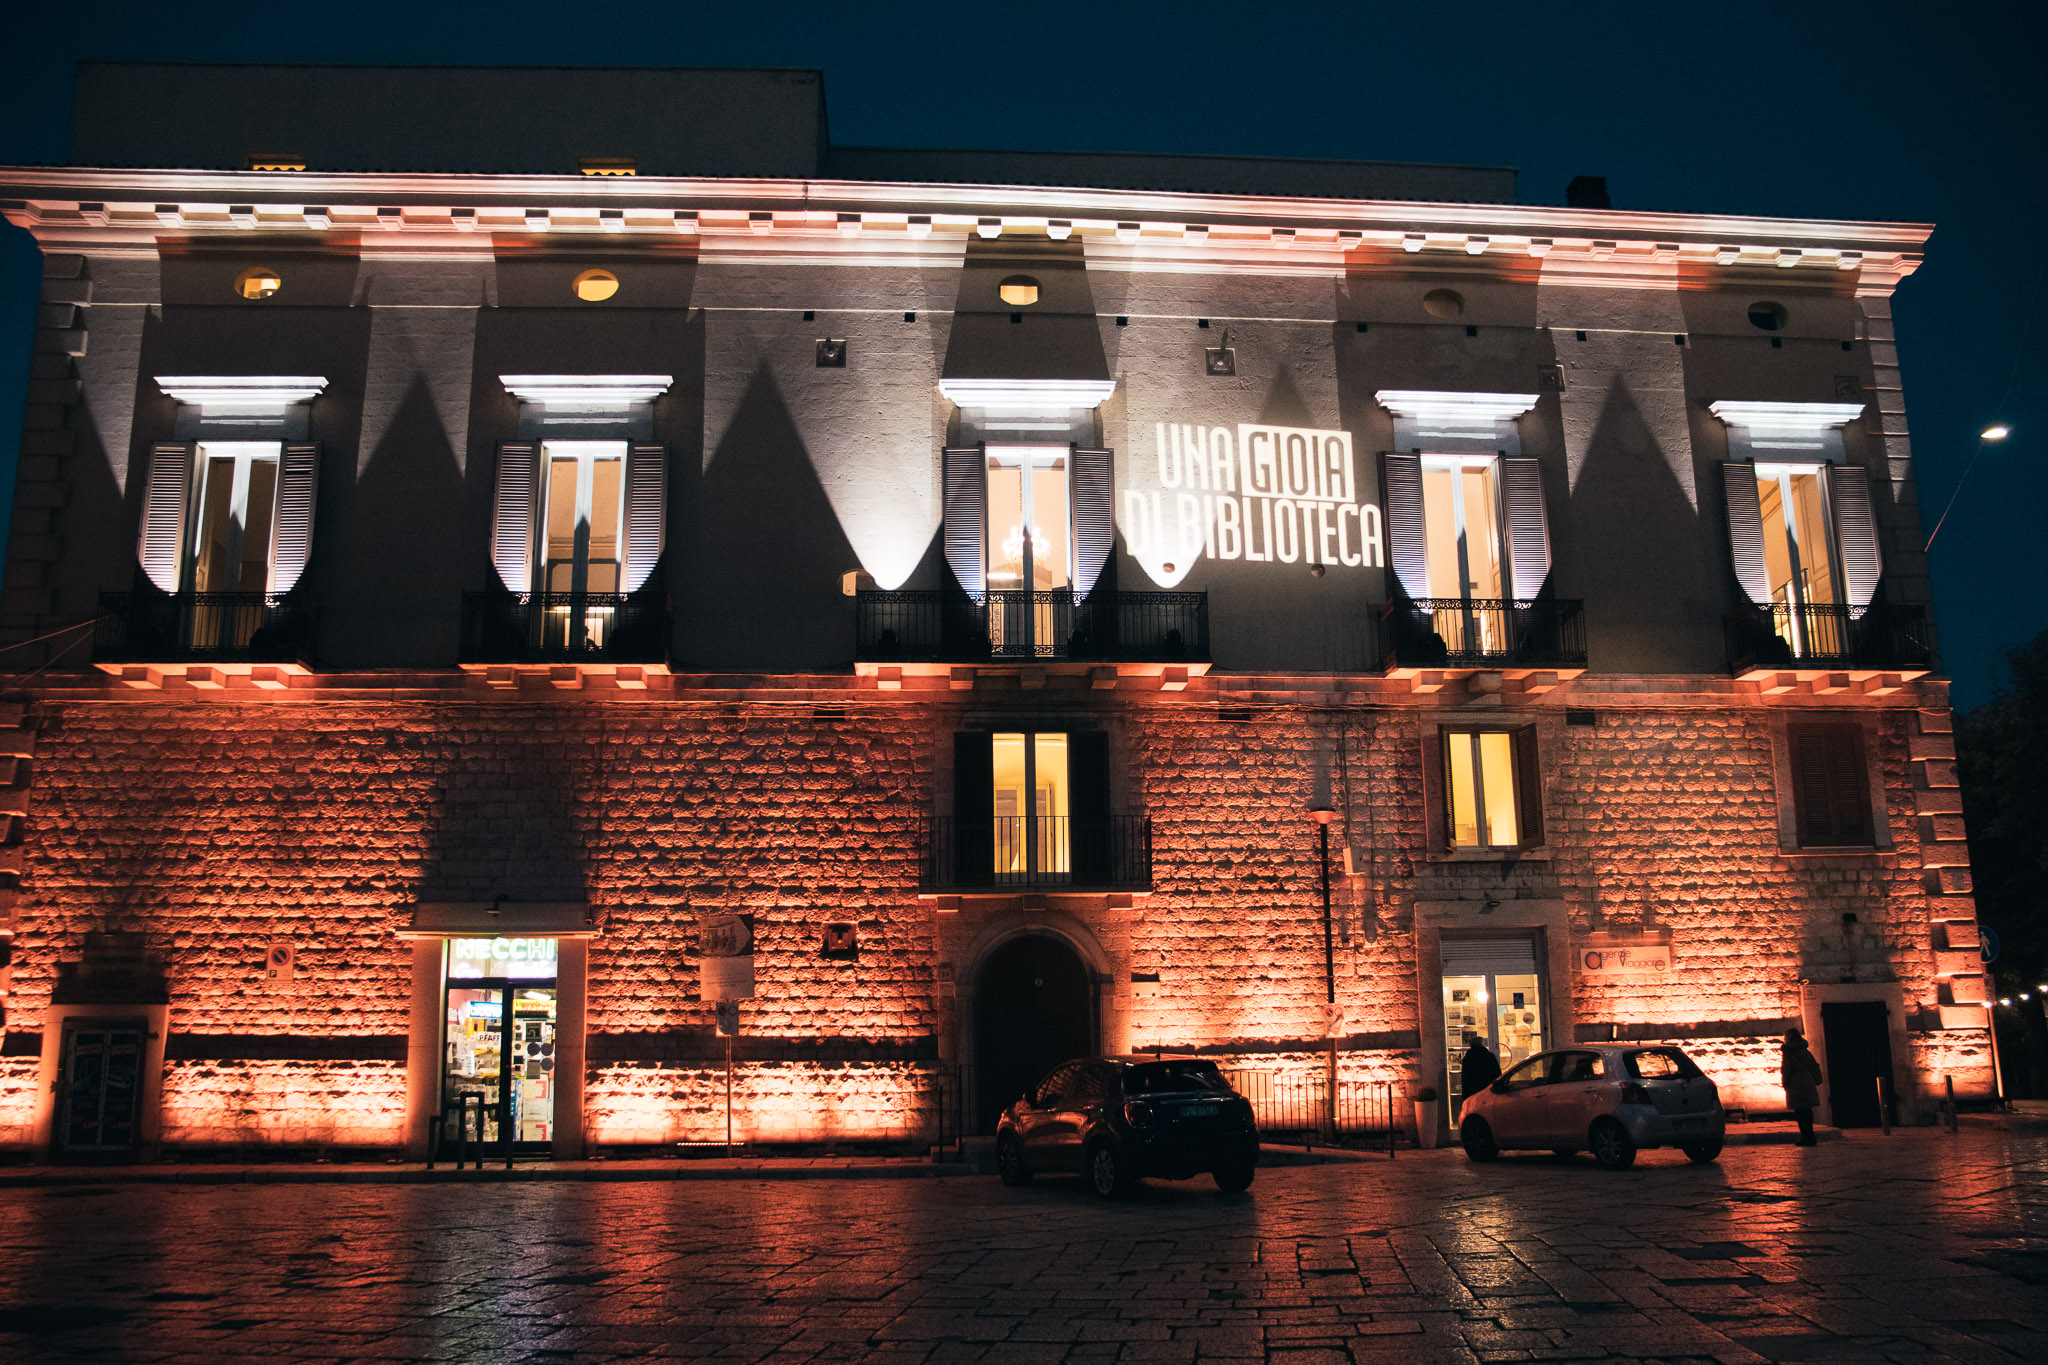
<point>1262,494</point>
<point>725,956</point>
<point>513,959</point>
<point>1630,959</point>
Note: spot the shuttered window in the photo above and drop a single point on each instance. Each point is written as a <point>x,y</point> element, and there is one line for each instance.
<point>1830,785</point>
<point>229,516</point>
<point>1092,494</point>
<point>965,476</point>
<point>515,513</point>
<point>1528,521</point>
<point>1781,557</point>
<point>603,535</point>
<point>1407,546</point>
<point>1031,807</point>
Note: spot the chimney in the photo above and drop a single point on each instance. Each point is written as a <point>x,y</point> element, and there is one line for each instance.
<point>1587,192</point>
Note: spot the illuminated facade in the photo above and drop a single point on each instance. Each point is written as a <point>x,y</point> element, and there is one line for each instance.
<point>480,608</point>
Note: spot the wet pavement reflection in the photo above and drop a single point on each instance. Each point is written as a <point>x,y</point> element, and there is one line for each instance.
<point>1923,1246</point>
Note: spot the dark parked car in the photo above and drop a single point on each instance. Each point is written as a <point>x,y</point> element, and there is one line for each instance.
<point>1117,1120</point>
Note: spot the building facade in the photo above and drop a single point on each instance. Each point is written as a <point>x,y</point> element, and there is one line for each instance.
<point>484,585</point>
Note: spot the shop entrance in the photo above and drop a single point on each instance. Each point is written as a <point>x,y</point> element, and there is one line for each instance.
<point>101,1075</point>
<point>1032,1011</point>
<point>499,990</point>
<point>1492,987</point>
<point>1859,1047</point>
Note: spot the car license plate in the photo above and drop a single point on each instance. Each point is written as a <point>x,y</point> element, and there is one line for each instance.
<point>1695,1121</point>
<point>1200,1111</point>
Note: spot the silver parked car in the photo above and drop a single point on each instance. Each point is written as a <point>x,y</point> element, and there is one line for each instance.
<point>1611,1098</point>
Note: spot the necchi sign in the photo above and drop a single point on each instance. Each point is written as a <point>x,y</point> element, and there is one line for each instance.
<point>1286,495</point>
<point>725,953</point>
<point>1627,959</point>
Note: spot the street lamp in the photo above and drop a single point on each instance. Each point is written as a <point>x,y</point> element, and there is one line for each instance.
<point>1323,815</point>
<point>1991,433</point>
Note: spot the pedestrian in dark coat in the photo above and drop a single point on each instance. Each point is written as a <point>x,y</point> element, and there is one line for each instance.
<point>1799,1072</point>
<point>1480,1068</point>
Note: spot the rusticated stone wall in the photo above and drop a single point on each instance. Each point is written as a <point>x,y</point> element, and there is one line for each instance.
<point>217,828</point>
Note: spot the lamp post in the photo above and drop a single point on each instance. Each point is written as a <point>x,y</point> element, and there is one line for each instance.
<point>1322,815</point>
<point>1984,438</point>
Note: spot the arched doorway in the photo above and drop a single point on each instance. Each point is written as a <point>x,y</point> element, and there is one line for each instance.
<point>1033,1009</point>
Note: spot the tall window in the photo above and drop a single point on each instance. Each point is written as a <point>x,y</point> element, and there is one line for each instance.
<point>1031,795</point>
<point>234,516</point>
<point>1461,533</point>
<point>581,542</point>
<point>1798,555</point>
<point>1493,794</point>
<point>1029,546</point>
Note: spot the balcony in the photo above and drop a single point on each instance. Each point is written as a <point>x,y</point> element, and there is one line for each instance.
<point>1003,854</point>
<point>1474,633</point>
<point>1010,626</point>
<point>563,630</point>
<point>203,637</point>
<point>1813,640</point>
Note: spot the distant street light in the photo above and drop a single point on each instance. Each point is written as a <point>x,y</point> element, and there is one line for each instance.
<point>1991,433</point>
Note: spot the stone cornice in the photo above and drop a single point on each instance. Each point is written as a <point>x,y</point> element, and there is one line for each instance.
<point>88,209</point>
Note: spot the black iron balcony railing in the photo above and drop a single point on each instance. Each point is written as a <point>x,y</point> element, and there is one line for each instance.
<point>564,627</point>
<point>998,852</point>
<point>200,627</point>
<point>958,627</point>
<point>1485,632</point>
<point>1787,636</point>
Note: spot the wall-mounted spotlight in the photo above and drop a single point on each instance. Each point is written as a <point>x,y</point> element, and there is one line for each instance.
<point>832,354</point>
<point>1220,360</point>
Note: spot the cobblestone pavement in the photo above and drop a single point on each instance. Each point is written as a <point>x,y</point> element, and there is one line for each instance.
<point>1923,1246</point>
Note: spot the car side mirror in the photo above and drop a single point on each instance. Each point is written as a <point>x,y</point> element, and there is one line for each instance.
<point>1499,1087</point>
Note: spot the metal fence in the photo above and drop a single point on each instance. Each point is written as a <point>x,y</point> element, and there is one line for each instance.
<point>1042,850</point>
<point>1485,632</point>
<point>1788,635</point>
<point>562,627</point>
<point>959,627</point>
<point>1295,1107</point>
<point>200,627</point>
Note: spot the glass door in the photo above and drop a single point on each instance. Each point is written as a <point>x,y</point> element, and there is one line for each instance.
<point>499,1041</point>
<point>1029,551</point>
<point>102,1079</point>
<point>1505,1009</point>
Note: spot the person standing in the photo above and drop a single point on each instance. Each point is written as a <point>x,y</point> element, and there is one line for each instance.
<point>1799,1072</point>
<point>1479,1067</point>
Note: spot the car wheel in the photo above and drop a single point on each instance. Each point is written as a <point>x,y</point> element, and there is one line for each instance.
<point>1233,1179</point>
<point>1702,1152</point>
<point>1106,1172</point>
<point>1010,1162</point>
<point>1478,1140</point>
<point>1613,1148</point>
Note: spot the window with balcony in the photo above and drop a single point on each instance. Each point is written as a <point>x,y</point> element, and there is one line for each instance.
<point>581,541</point>
<point>233,516</point>
<point>1031,808</point>
<point>1491,792</point>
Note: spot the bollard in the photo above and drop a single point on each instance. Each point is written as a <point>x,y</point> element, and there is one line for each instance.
<point>1884,1113</point>
<point>434,1122</point>
<point>1950,1102</point>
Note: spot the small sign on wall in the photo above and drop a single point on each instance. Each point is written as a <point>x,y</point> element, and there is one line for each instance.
<point>1626,959</point>
<point>725,946</point>
<point>280,963</point>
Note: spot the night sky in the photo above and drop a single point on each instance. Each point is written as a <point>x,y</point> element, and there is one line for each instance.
<point>1933,114</point>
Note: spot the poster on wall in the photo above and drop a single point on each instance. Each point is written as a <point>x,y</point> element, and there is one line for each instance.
<point>1253,492</point>
<point>725,956</point>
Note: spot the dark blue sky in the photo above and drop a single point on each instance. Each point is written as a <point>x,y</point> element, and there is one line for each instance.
<point>1876,111</point>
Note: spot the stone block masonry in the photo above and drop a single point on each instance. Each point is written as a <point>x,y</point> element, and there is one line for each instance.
<point>219,828</point>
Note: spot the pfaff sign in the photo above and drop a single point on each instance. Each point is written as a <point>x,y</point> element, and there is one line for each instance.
<point>1262,494</point>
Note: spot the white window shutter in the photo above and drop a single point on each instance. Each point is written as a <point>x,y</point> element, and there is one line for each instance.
<point>166,508</point>
<point>298,488</point>
<point>965,471</point>
<point>1407,550</point>
<point>1856,532</point>
<point>646,512</point>
<point>512,527</point>
<point>1746,532</point>
<point>1092,498</point>
<point>1521,485</point>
